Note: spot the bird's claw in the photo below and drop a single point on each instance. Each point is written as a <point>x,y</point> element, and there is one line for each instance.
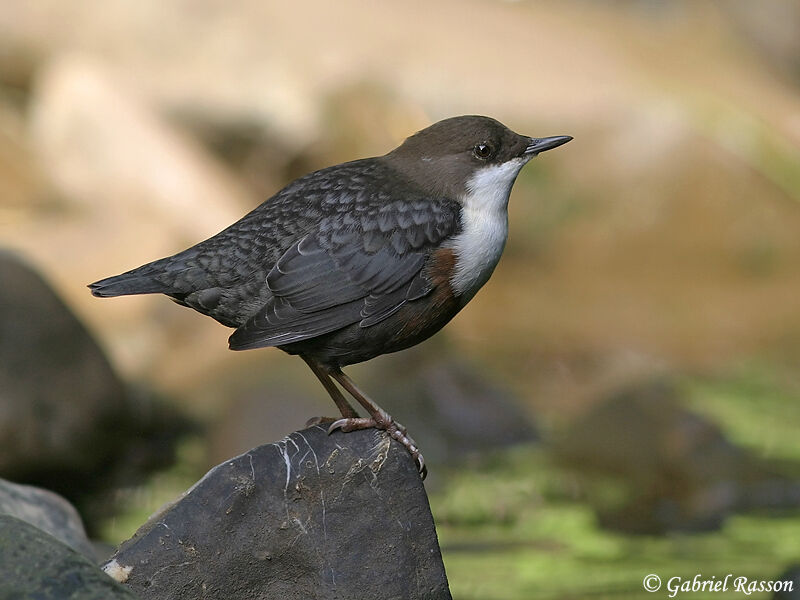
<point>421,466</point>
<point>395,430</point>
<point>348,424</point>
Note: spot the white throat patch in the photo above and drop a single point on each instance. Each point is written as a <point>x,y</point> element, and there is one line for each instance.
<point>484,226</point>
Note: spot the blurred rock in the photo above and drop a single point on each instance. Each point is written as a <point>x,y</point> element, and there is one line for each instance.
<point>255,154</point>
<point>47,511</point>
<point>263,412</point>
<point>359,120</point>
<point>56,386</point>
<point>450,406</point>
<point>233,72</point>
<point>18,63</point>
<point>101,145</point>
<point>35,565</point>
<point>21,185</point>
<point>67,422</point>
<point>345,513</point>
<point>792,574</point>
<point>128,187</point>
<point>677,469</point>
<point>773,27</point>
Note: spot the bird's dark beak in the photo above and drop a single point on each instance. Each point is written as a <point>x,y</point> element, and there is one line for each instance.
<point>536,145</point>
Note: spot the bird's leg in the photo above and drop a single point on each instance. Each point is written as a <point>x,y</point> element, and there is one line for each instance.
<point>378,418</point>
<point>348,412</point>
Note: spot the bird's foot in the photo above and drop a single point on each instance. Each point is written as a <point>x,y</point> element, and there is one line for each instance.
<point>382,420</point>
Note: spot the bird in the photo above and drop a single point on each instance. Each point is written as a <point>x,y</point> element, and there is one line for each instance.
<point>356,260</point>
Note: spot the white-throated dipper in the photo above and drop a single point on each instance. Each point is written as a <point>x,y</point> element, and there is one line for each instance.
<point>359,259</point>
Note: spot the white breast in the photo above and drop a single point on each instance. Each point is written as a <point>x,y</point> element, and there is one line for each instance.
<point>484,226</point>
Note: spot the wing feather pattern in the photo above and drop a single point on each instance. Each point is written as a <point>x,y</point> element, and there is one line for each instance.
<point>350,270</point>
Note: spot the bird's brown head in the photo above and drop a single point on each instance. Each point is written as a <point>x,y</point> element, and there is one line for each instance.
<point>445,157</point>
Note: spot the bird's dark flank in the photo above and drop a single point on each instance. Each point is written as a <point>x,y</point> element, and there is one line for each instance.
<point>359,259</point>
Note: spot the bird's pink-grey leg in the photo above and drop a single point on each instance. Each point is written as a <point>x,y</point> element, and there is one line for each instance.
<point>378,418</point>
<point>348,412</point>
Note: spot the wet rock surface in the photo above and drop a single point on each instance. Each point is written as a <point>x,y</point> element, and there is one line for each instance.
<point>47,511</point>
<point>33,564</point>
<point>343,516</point>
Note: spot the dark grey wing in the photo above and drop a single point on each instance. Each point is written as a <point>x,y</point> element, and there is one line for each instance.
<point>359,266</point>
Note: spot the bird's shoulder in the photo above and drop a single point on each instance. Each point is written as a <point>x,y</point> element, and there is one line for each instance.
<point>364,199</point>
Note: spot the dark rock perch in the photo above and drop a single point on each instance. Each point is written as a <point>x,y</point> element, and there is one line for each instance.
<point>48,511</point>
<point>36,566</point>
<point>313,516</point>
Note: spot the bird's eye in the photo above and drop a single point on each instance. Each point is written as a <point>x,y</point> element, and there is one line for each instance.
<point>483,150</point>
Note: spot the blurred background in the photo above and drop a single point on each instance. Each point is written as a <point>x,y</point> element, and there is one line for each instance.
<point>622,398</point>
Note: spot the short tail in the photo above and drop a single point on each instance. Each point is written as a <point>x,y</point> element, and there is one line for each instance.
<point>137,281</point>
